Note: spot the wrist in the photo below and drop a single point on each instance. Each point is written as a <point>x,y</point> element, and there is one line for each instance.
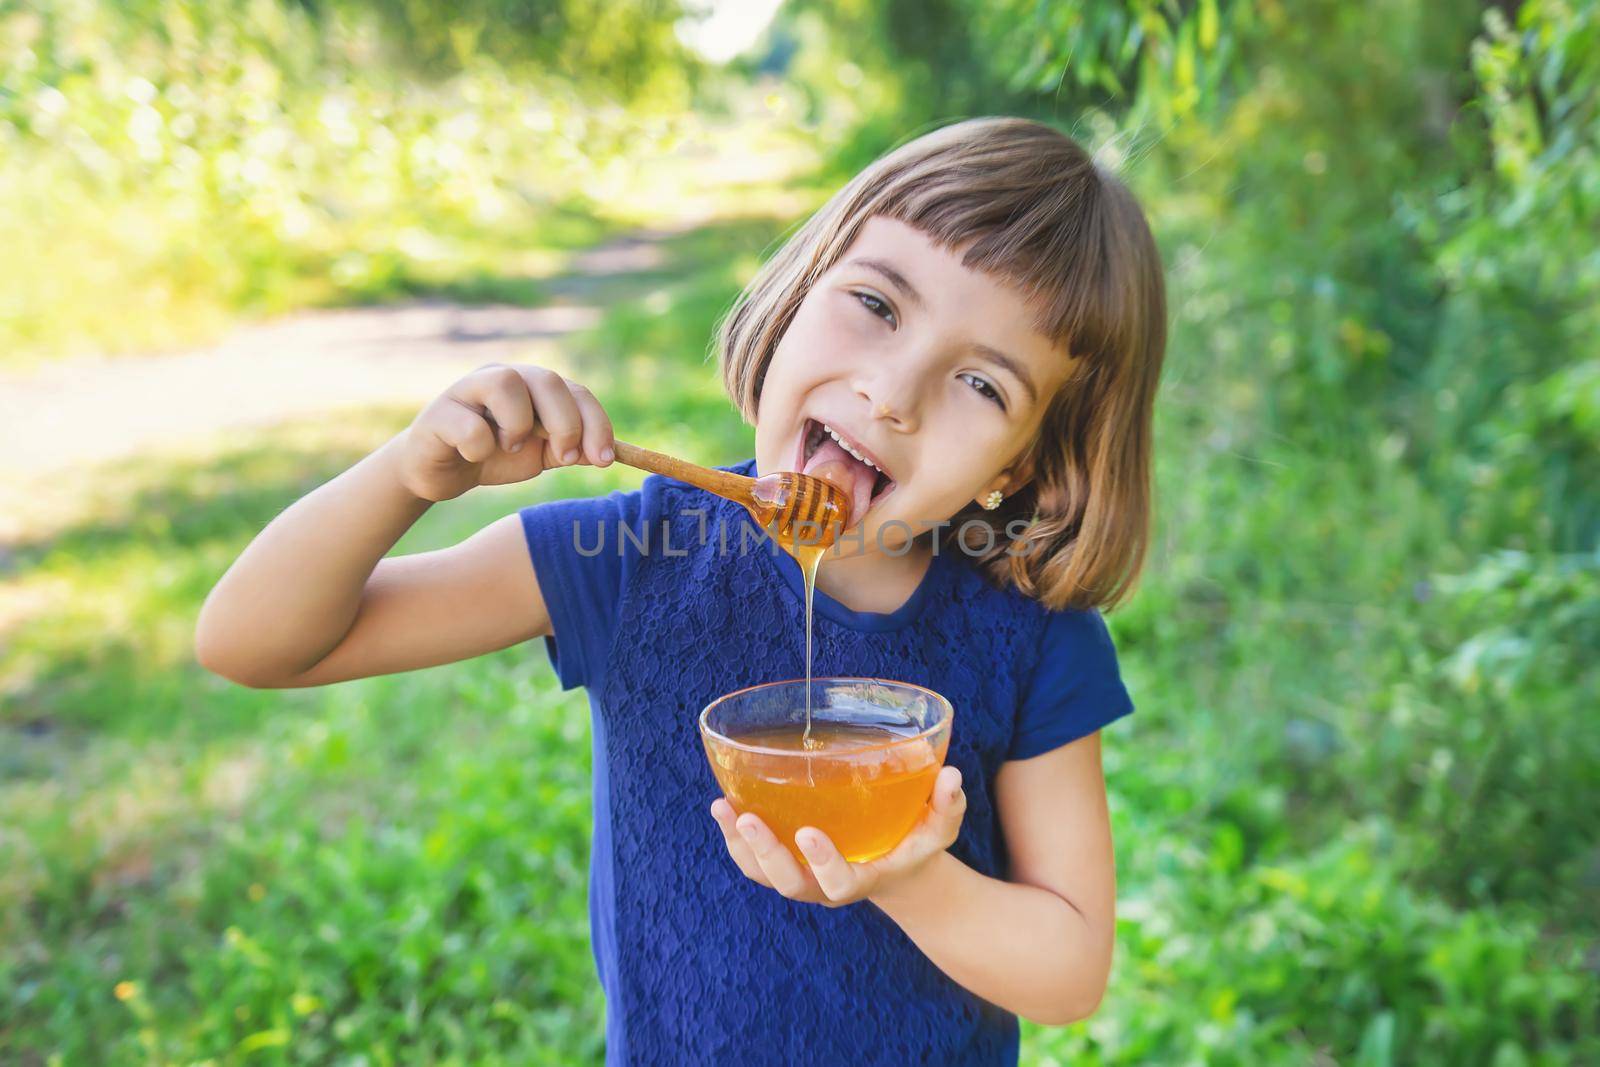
<point>388,460</point>
<point>901,894</point>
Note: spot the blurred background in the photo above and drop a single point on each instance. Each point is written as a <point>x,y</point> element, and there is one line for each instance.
<point>246,239</point>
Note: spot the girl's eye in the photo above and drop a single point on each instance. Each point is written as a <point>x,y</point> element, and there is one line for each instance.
<point>877,306</point>
<point>985,389</point>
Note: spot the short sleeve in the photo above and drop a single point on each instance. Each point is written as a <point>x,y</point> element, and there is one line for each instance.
<point>1076,686</point>
<point>577,549</point>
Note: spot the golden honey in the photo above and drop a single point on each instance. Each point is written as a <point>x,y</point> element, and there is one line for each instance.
<point>865,787</point>
<point>810,559</point>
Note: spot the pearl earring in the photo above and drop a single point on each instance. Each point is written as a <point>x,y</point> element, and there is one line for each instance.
<point>992,501</point>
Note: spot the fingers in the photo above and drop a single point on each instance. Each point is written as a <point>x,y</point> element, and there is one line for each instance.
<point>522,403</point>
<point>738,848</point>
<point>504,394</point>
<point>597,434</point>
<point>938,829</point>
<point>464,430</point>
<point>558,413</point>
<point>839,879</point>
<point>762,858</point>
<point>949,806</point>
<point>949,799</point>
<point>782,871</point>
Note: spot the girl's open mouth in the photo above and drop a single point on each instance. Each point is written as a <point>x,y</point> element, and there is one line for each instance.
<point>847,466</point>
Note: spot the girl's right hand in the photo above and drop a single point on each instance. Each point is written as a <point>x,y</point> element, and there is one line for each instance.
<point>501,423</point>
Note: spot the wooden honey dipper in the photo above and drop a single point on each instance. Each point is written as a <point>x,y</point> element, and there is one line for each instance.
<point>804,510</point>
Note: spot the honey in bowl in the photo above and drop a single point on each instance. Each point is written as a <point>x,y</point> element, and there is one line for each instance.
<point>864,774</point>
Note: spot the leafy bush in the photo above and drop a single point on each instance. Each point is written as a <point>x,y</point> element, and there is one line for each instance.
<point>1328,956</point>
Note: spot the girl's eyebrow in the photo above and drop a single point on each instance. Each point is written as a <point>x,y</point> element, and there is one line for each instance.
<point>993,355</point>
<point>893,275</point>
<point>1018,371</point>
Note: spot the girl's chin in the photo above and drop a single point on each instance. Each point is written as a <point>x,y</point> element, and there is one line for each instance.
<point>881,535</point>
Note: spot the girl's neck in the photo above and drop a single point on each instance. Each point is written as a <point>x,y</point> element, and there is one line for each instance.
<point>874,581</point>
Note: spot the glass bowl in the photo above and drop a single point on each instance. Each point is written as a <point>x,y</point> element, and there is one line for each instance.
<point>863,775</point>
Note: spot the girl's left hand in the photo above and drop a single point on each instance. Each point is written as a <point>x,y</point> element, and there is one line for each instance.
<point>832,880</point>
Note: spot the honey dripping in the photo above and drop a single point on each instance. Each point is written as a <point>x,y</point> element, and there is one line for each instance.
<point>806,530</point>
<point>804,513</point>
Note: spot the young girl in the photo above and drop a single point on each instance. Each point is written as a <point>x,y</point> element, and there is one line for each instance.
<point>977,321</point>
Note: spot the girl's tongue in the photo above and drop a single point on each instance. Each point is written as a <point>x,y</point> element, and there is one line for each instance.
<point>848,473</point>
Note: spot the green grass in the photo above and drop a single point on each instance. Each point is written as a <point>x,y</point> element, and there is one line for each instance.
<point>391,868</point>
<point>396,863</point>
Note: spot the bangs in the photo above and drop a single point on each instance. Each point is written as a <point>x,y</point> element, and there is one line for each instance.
<point>1028,206</point>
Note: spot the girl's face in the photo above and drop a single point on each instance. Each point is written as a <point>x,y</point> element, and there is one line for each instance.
<point>932,371</point>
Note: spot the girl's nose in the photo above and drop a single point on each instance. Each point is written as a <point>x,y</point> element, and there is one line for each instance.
<point>897,407</point>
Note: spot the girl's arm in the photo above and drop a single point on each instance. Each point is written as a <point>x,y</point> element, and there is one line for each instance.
<point>1038,945</point>
<point>312,600</point>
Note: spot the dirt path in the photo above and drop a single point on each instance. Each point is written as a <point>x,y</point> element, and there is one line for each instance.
<point>58,422</point>
<point>61,420</point>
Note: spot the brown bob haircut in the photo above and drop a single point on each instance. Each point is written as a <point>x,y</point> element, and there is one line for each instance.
<point>1026,204</point>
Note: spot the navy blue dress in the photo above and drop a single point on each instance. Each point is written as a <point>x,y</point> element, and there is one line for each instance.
<point>664,598</point>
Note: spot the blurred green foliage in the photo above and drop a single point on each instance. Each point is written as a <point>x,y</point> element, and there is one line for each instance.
<point>392,869</point>
<point>1367,634</point>
<point>625,46</point>
<point>166,166</point>
<point>1354,815</point>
